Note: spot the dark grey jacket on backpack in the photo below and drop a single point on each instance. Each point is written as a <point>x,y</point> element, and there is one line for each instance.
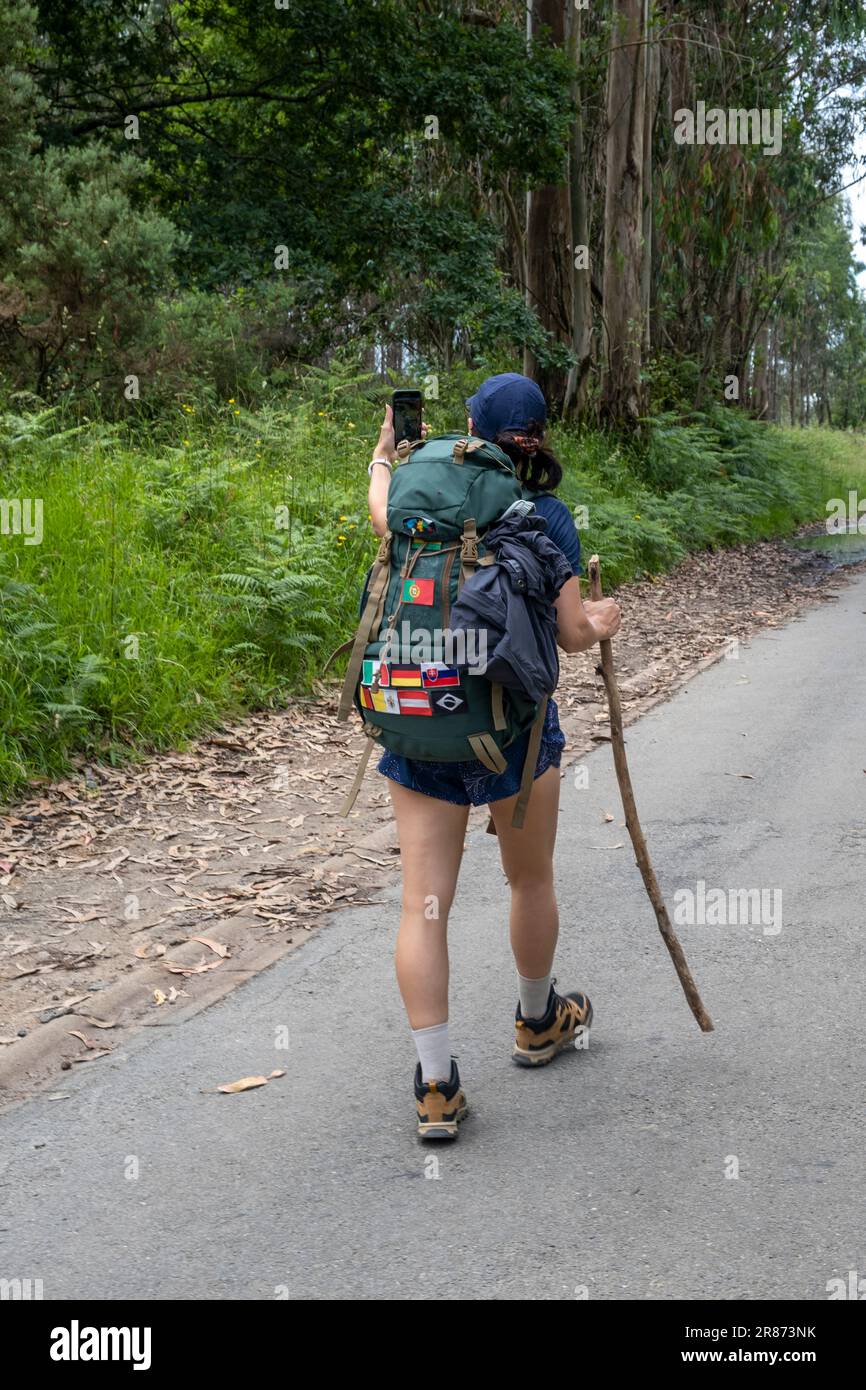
<point>511,601</point>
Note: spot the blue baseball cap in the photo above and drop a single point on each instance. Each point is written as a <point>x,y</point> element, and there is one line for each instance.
<point>506,402</point>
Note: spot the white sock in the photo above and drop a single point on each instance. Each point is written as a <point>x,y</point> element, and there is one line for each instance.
<point>534,995</point>
<point>434,1052</point>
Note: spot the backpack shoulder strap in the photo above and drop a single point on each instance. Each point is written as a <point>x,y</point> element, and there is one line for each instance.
<point>487,751</point>
<point>369,624</point>
<point>371,735</point>
<point>527,777</point>
<point>529,764</point>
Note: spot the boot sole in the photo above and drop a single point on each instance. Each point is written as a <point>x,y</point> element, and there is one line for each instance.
<point>546,1054</point>
<point>436,1129</point>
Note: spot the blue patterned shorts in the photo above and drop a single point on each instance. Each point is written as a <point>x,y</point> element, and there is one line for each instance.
<point>471,783</point>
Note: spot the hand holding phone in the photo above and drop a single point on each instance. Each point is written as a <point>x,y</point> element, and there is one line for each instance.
<point>407,408</point>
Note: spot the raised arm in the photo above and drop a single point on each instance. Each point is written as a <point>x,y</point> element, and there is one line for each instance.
<point>380,474</point>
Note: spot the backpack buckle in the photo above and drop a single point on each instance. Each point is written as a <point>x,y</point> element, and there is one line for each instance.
<point>469,543</point>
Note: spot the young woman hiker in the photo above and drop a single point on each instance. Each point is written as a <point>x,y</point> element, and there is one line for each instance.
<point>431,800</point>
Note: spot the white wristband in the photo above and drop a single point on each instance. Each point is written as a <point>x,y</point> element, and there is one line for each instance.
<point>387,462</point>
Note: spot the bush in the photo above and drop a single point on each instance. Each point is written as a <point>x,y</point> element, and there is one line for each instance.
<point>79,293</point>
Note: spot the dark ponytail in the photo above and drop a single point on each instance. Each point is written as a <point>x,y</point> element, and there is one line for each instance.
<point>537,468</point>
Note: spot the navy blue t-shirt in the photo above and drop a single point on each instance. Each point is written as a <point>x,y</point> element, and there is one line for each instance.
<point>560,526</point>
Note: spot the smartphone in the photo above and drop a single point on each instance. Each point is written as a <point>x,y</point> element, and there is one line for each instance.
<point>407,406</point>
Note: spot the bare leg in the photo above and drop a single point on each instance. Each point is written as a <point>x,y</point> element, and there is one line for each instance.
<point>431,834</point>
<point>527,858</point>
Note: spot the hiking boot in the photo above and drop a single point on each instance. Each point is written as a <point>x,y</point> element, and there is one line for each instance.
<point>441,1105</point>
<point>537,1040</point>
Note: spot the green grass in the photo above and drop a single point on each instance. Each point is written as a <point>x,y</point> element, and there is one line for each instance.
<point>201,566</point>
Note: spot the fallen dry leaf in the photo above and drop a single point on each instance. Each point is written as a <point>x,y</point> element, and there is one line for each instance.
<point>187,970</point>
<point>78,999</point>
<point>34,970</point>
<point>144,952</point>
<point>246,1083</point>
<point>215,946</point>
<point>159,997</point>
<point>88,1042</point>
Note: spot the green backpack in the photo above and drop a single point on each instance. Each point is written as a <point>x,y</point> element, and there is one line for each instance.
<point>410,678</point>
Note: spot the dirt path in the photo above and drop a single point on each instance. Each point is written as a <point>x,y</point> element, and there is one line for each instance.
<point>108,878</point>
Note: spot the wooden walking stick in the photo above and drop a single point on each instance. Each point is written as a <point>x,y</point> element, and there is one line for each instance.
<point>631,819</point>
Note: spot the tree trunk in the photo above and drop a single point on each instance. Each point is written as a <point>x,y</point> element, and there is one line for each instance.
<point>621,394</point>
<point>759,399</point>
<point>549,262</point>
<point>805,389</point>
<point>653,75</point>
<point>581,299</point>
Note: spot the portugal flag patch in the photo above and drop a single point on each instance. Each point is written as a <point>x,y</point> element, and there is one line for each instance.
<point>418,591</point>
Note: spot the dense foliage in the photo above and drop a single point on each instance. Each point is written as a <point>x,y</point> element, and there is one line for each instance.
<point>211,193</point>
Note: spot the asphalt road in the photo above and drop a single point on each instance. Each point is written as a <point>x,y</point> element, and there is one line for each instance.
<point>604,1175</point>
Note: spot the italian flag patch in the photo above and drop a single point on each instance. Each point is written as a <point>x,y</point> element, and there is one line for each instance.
<point>370,672</point>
